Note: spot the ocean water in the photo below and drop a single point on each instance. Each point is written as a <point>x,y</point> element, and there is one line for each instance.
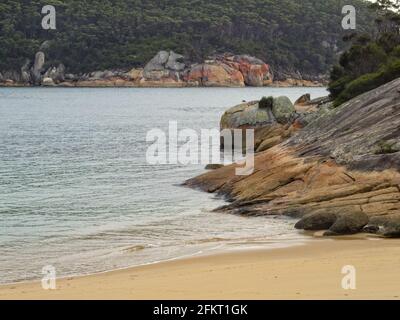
<point>77,193</point>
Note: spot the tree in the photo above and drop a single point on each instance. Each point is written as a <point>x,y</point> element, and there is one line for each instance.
<point>373,59</point>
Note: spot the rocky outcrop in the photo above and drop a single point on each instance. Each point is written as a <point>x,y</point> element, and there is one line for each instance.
<point>303,100</point>
<point>256,73</point>
<point>272,124</point>
<point>38,68</point>
<point>165,69</point>
<point>327,174</point>
<point>56,74</point>
<point>214,74</point>
<point>48,82</point>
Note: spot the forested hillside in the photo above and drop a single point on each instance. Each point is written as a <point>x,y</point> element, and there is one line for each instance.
<point>91,35</point>
<point>373,58</point>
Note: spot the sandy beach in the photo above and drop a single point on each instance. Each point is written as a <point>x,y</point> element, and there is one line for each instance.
<point>308,271</point>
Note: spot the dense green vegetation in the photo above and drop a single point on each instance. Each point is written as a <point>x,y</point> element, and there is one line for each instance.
<point>266,102</point>
<point>373,59</point>
<point>291,35</point>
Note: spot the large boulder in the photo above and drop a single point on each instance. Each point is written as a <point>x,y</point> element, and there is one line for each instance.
<point>385,225</point>
<point>134,74</point>
<point>175,62</point>
<point>57,74</point>
<point>272,123</point>
<point>214,74</point>
<point>304,99</point>
<point>346,220</point>
<point>254,114</point>
<point>247,115</point>
<point>48,82</point>
<point>158,62</point>
<point>164,67</point>
<point>350,222</point>
<point>319,220</point>
<point>37,68</point>
<point>256,73</point>
<point>283,110</point>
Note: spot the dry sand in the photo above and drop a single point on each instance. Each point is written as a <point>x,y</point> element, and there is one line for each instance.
<point>309,271</point>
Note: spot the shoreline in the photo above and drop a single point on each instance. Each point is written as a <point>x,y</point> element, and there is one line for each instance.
<point>311,270</point>
<point>272,244</point>
<point>278,85</point>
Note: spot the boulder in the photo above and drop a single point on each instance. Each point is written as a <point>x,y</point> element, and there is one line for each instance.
<point>175,62</point>
<point>96,75</point>
<point>215,74</point>
<point>48,82</point>
<point>104,75</point>
<point>247,115</point>
<point>283,110</point>
<point>158,62</point>
<point>165,69</point>
<point>71,77</point>
<point>385,225</point>
<point>272,123</point>
<point>57,74</point>
<point>255,72</point>
<point>350,222</point>
<point>304,99</point>
<point>135,74</point>
<point>319,220</point>
<point>37,68</point>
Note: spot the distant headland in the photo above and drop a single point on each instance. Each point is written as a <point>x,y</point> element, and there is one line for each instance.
<point>166,69</point>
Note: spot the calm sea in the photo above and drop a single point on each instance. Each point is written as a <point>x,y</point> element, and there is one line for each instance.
<point>77,193</point>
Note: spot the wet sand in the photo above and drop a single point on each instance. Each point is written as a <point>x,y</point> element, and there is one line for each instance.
<point>309,271</point>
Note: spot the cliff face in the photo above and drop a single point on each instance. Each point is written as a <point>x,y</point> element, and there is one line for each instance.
<point>341,172</point>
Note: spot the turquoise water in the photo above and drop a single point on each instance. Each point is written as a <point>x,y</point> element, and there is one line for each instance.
<point>77,193</point>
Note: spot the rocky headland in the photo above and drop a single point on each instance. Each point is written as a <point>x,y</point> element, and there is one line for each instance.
<point>334,169</point>
<point>165,69</point>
